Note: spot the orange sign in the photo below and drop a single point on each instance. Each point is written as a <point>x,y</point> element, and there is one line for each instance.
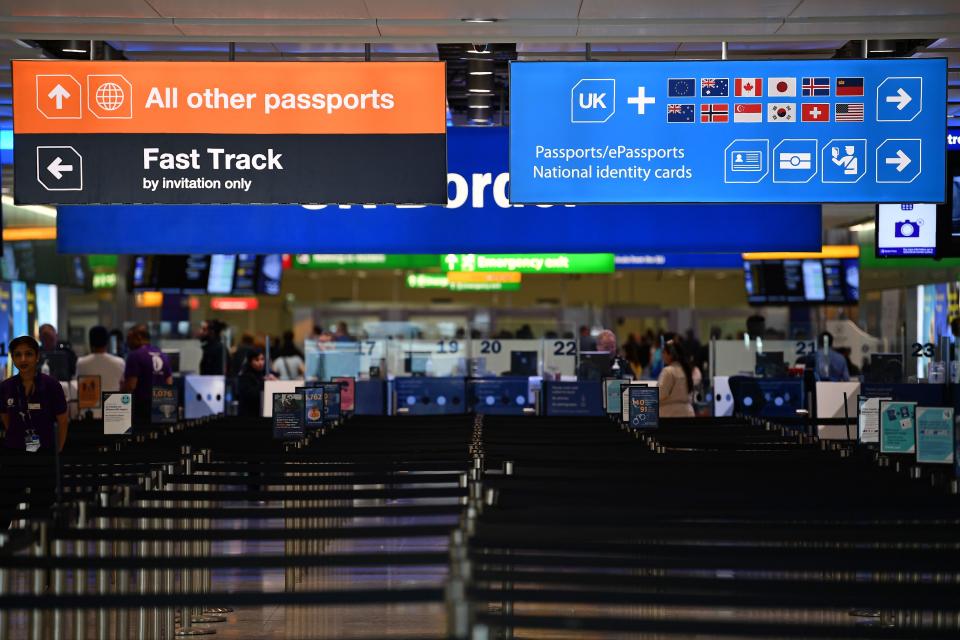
<point>76,96</point>
<point>88,392</point>
<point>487,276</point>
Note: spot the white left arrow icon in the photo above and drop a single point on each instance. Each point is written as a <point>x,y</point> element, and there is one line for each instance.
<point>59,94</point>
<point>902,99</point>
<point>57,168</point>
<point>901,160</point>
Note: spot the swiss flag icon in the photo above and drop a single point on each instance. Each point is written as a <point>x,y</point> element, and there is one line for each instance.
<point>59,96</point>
<point>815,112</point>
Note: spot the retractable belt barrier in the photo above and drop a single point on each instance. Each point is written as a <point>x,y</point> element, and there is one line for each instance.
<point>723,528</point>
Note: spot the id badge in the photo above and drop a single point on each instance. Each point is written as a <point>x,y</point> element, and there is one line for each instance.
<point>32,442</point>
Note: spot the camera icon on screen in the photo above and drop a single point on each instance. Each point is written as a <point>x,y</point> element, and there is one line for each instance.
<point>907,228</point>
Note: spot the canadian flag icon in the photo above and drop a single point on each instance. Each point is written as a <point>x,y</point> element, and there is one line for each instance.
<point>748,87</point>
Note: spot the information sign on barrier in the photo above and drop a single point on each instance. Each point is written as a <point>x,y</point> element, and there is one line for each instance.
<point>721,131</point>
<point>643,406</point>
<point>935,435</point>
<point>897,425</point>
<point>288,416</point>
<point>229,132</point>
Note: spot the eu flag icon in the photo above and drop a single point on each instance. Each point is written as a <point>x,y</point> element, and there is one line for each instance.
<point>680,87</point>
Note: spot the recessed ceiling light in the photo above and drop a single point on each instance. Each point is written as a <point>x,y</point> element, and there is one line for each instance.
<point>74,50</point>
<point>478,20</point>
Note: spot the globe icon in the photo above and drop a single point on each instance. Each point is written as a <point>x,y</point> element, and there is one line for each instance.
<point>109,96</point>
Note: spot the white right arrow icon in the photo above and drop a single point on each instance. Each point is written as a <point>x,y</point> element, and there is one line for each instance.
<point>902,159</point>
<point>57,168</point>
<point>59,94</point>
<point>902,99</point>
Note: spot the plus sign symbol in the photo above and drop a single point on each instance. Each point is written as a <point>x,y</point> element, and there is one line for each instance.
<point>641,100</point>
<point>815,112</point>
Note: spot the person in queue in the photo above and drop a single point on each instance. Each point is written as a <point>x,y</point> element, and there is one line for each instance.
<point>101,363</point>
<point>211,344</point>
<point>35,409</point>
<point>677,381</point>
<point>250,384</point>
<point>146,366</point>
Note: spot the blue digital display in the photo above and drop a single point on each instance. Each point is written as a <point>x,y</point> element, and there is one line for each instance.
<point>499,396</point>
<point>430,396</point>
<point>580,398</point>
<point>478,218</point>
<point>720,131</point>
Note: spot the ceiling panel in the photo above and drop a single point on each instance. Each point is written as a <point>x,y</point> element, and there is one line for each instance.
<point>872,26</point>
<point>263,9</point>
<point>456,31</point>
<point>134,48</point>
<point>680,9</point>
<point>156,28</point>
<point>832,8</point>
<point>457,9</point>
<point>87,8</point>
<point>677,30</point>
<point>263,30</point>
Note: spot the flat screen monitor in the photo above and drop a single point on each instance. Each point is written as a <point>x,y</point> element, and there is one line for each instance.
<point>884,368</point>
<point>821,281</point>
<point>771,365</point>
<point>906,230</point>
<point>595,365</point>
<point>47,309</point>
<point>270,274</point>
<point>523,363</point>
<point>246,274</point>
<point>948,214</point>
<point>57,364</point>
<point>173,355</point>
<point>172,273</point>
<point>220,278</point>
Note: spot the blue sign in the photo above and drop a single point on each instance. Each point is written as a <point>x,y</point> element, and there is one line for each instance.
<point>644,409</point>
<point>430,396</point>
<point>768,398</point>
<point>679,261</point>
<point>478,218</point>
<point>313,408</point>
<point>508,396</point>
<point>581,398</point>
<point>720,131</point>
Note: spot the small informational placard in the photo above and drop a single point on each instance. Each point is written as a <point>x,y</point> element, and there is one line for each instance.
<point>935,438</point>
<point>897,426</point>
<point>117,413</point>
<point>164,405</point>
<point>347,392</point>
<point>88,392</point>
<point>906,230</point>
<point>313,408</point>
<point>288,416</point>
<point>643,407</point>
<point>430,396</point>
<point>868,419</point>
<point>331,402</point>
<point>612,388</point>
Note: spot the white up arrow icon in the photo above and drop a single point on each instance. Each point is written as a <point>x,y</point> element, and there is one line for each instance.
<point>59,94</point>
<point>902,159</point>
<point>902,98</point>
<point>57,168</point>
